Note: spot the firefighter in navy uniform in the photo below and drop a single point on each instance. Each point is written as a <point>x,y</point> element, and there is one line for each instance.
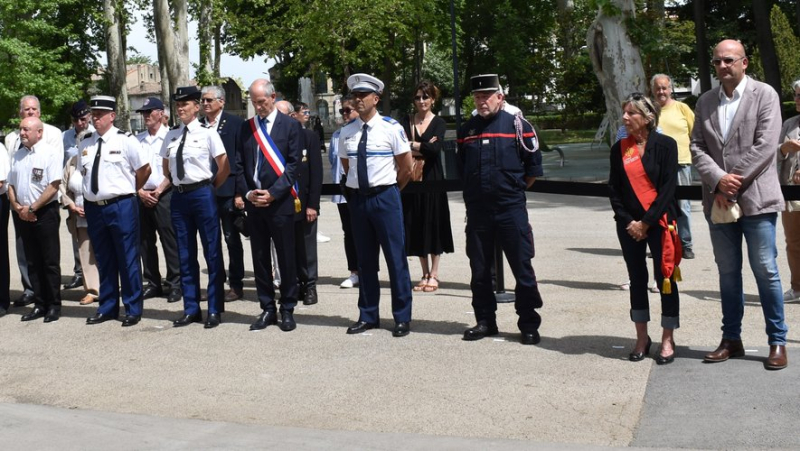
<point>499,158</point>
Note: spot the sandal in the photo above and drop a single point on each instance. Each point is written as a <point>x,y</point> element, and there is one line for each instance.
<point>423,283</point>
<point>433,285</point>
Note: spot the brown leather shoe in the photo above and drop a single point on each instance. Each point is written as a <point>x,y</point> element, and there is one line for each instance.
<point>234,295</point>
<point>727,349</point>
<point>777,359</point>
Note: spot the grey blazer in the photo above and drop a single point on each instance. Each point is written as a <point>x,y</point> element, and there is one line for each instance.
<point>789,131</point>
<point>748,151</point>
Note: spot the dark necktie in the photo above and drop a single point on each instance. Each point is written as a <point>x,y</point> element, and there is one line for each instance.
<point>179,154</point>
<point>96,166</point>
<point>261,159</point>
<point>361,164</point>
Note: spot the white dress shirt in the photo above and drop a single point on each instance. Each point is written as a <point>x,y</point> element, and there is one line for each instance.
<point>33,170</point>
<point>728,107</point>
<point>151,145</point>
<point>385,140</point>
<point>121,156</point>
<point>200,147</point>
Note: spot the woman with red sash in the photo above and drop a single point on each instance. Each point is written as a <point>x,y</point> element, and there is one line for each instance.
<point>642,182</point>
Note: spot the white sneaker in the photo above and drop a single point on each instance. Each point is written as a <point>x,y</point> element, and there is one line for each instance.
<point>791,295</point>
<point>322,238</point>
<point>625,286</point>
<point>350,282</point>
<point>654,287</point>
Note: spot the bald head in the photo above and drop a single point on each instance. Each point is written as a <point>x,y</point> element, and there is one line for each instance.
<point>262,96</point>
<point>284,107</point>
<point>30,131</point>
<point>730,62</point>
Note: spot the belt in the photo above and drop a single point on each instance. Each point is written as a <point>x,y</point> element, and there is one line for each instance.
<point>110,201</point>
<point>372,191</point>
<point>188,188</point>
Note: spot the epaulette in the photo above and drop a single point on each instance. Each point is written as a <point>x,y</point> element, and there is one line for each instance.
<point>175,127</point>
<point>351,121</point>
<point>121,132</point>
<point>87,136</point>
<point>389,120</point>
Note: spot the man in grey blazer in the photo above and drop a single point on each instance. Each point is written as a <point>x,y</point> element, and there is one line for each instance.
<point>733,149</point>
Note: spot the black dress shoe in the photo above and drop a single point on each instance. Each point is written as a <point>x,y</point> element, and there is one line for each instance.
<point>639,356</point>
<point>480,331</point>
<point>52,315</point>
<point>25,299</point>
<point>530,338</point>
<point>287,322</point>
<point>311,297</point>
<point>266,318</point>
<point>185,320</point>
<point>213,320</point>
<point>175,295</point>
<point>361,327</point>
<point>401,329</point>
<point>3,312</point>
<point>75,282</point>
<point>131,320</point>
<point>151,291</point>
<point>36,313</point>
<point>99,318</point>
<point>666,359</point>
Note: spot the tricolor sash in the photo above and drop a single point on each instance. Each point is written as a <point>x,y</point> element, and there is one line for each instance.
<point>273,156</point>
<point>671,248</point>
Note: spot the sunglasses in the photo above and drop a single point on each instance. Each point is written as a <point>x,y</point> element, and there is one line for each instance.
<point>345,111</point>
<point>207,100</point>
<point>421,98</point>
<point>306,113</point>
<point>728,61</point>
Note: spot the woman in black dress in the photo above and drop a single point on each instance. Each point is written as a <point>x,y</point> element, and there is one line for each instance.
<point>427,215</point>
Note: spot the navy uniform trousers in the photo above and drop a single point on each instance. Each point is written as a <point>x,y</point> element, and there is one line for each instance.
<point>5,274</point>
<point>114,233</point>
<point>265,225</point>
<point>511,229</point>
<point>192,212</point>
<point>377,221</point>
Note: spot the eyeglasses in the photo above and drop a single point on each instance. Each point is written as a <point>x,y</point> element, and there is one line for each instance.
<point>306,113</point>
<point>797,95</point>
<point>345,111</point>
<point>207,100</point>
<point>728,61</point>
<point>421,98</point>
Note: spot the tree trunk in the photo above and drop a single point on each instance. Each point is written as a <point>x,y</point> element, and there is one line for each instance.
<point>117,73</point>
<point>766,46</point>
<point>386,78</point>
<point>217,49</point>
<point>174,42</point>
<point>703,65</point>
<point>616,60</point>
<point>204,36</point>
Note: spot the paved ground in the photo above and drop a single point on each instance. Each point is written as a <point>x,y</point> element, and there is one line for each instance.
<point>66,385</point>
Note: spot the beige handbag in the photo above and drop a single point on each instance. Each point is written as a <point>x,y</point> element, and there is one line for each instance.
<point>418,164</point>
<point>721,215</point>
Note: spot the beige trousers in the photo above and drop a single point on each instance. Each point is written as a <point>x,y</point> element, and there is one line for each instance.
<point>791,228</point>
<point>91,278</point>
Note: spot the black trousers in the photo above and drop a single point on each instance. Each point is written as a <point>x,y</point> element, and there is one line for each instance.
<point>635,254</point>
<point>43,254</point>
<point>349,244</point>
<point>159,219</point>
<point>264,226</point>
<point>305,235</point>
<point>5,276</point>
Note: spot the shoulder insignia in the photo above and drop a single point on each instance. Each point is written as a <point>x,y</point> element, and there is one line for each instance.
<point>389,120</point>
<point>88,135</point>
<point>120,132</point>
<point>351,121</point>
<point>175,127</point>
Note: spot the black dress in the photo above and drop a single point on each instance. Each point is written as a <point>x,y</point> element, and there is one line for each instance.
<point>427,215</point>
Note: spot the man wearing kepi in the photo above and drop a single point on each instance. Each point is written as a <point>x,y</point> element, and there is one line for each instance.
<point>733,148</point>
<point>266,161</point>
<point>376,158</point>
<point>500,158</point>
<point>187,152</point>
<point>114,167</point>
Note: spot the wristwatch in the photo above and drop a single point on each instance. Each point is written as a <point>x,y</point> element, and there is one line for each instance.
<point>30,209</point>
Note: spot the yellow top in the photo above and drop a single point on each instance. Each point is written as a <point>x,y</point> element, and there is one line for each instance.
<point>676,121</point>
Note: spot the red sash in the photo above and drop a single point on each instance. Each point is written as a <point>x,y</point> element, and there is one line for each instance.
<point>671,248</point>
<point>273,156</point>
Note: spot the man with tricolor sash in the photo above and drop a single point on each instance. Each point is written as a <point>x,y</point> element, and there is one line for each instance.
<point>266,162</point>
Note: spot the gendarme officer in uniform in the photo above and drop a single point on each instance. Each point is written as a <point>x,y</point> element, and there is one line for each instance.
<point>188,151</point>
<point>114,167</point>
<point>499,159</point>
<point>376,157</point>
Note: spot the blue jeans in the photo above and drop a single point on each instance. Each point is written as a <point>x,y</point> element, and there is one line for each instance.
<point>685,219</point>
<point>759,234</point>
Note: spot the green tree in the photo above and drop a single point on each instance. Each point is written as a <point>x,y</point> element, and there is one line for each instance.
<point>787,45</point>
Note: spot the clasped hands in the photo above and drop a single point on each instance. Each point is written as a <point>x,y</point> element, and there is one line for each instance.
<point>261,198</point>
<point>637,230</point>
<point>728,188</point>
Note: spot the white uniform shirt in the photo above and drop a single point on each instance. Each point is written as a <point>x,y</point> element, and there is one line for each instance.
<point>5,167</point>
<point>728,106</point>
<point>336,166</point>
<point>121,156</point>
<point>202,144</point>
<point>32,170</point>
<point>385,139</point>
<point>69,138</point>
<point>270,122</point>
<point>151,145</point>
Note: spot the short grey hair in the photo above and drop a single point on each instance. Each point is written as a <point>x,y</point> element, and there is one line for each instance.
<point>29,97</point>
<point>264,84</point>
<point>656,77</point>
<point>218,91</point>
<point>796,84</point>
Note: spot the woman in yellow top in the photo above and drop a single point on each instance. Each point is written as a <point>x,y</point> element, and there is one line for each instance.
<point>676,121</point>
